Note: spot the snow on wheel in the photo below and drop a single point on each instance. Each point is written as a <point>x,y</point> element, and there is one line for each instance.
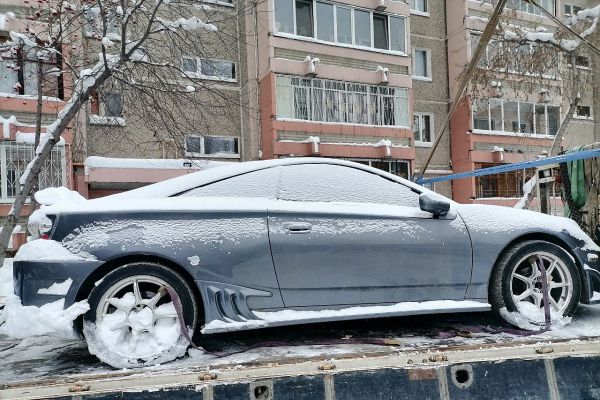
<point>132,320</point>
<point>516,289</point>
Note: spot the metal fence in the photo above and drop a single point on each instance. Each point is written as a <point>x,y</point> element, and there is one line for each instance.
<point>14,157</point>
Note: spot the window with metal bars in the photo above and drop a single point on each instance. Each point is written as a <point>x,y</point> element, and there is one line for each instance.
<point>507,184</point>
<point>322,100</point>
<point>14,157</point>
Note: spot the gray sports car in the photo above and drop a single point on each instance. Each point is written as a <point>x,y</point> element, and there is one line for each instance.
<point>295,241</point>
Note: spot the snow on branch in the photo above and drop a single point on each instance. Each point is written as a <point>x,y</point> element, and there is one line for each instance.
<point>188,24</point>
<point>541,35</point>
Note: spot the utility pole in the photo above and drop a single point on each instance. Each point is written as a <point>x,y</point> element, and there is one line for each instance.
<point>464,81</point>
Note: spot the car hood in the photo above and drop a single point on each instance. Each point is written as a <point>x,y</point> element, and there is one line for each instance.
<point>487,220</point>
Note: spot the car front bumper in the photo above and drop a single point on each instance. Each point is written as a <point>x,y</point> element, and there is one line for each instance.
<point>31,276</point>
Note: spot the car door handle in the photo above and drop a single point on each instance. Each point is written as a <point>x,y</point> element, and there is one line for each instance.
<point>297,227</point>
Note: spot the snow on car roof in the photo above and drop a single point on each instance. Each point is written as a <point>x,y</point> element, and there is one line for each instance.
<point>157,196</point>
<point>182,183</point>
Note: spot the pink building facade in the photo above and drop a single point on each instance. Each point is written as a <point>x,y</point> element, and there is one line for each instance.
<point>334,81</point>
<point>500,125</point>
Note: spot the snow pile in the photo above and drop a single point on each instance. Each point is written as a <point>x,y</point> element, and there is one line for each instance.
<point>532,318</point>
<point>129,337</point>
<point>149,163</point>
<point>48,250</point>
<point>6,278</point>
<point>50,319</point>
<point>57,289</point>
<point>53,195</point>
<point>106,42</point>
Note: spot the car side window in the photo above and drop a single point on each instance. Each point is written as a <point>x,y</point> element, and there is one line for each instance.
<point>335,183</point>
<point>262,183</point>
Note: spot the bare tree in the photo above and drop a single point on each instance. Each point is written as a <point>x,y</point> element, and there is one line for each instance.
<point>138,49</point>
<point>545,64</point>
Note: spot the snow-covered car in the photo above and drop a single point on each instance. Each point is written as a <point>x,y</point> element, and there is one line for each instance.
<point>293,241</point>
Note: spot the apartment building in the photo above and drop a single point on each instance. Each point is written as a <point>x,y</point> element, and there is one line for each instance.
<point>430,87</point>
<point>500,124</point>
<point>146,126</point>
<point>19,78</point>
<point>334,81</point>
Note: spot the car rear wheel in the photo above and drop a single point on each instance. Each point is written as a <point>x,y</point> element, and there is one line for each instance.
<point>133,322</point>
<point>516,291</point>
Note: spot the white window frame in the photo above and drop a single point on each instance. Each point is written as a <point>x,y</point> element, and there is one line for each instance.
<point>421,143</point>
<point>419,12</point>
<point>202,153</point>
<point>588,67</point>
<point>335,42</point>
<point>571,8</point>
<point>199,75</point>
<point>428,67</point>
<point>220,3</point>
<point>503,130</point>
<point>92,21</point>
<point>577,116</point>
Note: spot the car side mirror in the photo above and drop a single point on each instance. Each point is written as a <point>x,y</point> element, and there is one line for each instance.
<point>433,204</point>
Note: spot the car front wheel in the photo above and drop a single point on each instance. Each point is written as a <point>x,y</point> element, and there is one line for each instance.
<point>133,322</point>
<point>516,288</point>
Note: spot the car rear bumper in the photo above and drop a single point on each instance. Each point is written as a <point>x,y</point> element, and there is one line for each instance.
<point>31,276</point>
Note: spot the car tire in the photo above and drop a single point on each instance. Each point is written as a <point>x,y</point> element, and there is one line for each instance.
<point>515,288</point>
<point>128,328</point>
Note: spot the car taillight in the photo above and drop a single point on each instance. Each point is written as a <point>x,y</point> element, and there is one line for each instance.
<point>44,228</point>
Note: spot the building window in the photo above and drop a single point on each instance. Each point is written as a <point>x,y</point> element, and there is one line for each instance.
<point>14,157</point>
<point>429,185</point>
<point>106,108</point>
<point>508,184</point>
<point>501,116</point>
<point>204,68</point>
<point>324,100</point>
<point>380,31</point>
<point>19,74</point>
<point>583,112</point>
<point>344,25</point>
<point>325,24</point>
<point>214,146</point>
<point>284,16</point>
<point>419,5</point>
<point>423,127</point>
<point>351,26</point>
<point>112,104</point>
<point>516,58</point>
<point>571,10</point>
<point>95,23</point>
<point>525,6</point>
<point>582,61</point>
<point>422,63</point>
<point>304,18</point>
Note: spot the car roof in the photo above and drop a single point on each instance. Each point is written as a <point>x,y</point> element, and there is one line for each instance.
<point>183,183</point>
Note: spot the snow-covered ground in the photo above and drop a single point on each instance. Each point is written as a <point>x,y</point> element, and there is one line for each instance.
<point>47,357</point>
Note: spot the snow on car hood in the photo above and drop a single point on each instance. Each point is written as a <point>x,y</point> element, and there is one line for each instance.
<point>487,219</point>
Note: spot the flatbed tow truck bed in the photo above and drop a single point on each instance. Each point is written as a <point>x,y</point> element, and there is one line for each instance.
<point>452,357</point>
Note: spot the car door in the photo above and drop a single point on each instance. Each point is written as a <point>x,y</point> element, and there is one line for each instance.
<point>231,260</point>
<point>343,236</point>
